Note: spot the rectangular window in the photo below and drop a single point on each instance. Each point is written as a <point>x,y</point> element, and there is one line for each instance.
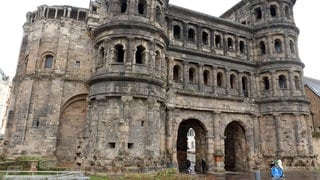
<point>77,65</point>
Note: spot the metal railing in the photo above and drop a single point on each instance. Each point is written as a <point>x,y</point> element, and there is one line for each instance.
<point>44,175</point>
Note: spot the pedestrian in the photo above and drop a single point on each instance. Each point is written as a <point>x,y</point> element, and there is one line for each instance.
<point>204,166</point>
<point>188,164</point>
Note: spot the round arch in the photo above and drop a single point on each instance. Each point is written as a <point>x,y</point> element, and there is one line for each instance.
<point>236,151</point>
<point>200,144</point>
<point>71,124</point>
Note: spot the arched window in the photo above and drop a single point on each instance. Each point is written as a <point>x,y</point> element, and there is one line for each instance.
<point>282,82</point>
<point>206,75</point>
<point>232,81</point>
<point>176,73</point>
<point>297,82</point>
<point>230,44</point>
<point>258,13</point>
<point>119,53</point>
<point>291,45</point>
<point>217,41</point>
<point>158,13</point>
<point>142,5</point>
<point>273,10</point>
<point>157,60</point>
<point>262,47</point>
<point>244,82</point>
<point>176,32</point>
<point>278,46</point>
<point>204,37</point>
<point>48,62</point>
<point>219,79</point>
<point>266,83</point>
<point>192,75</point>
<point>242,47</point>
<point>140,54</point>
<point>191,35</point>
<point>101,56</point>
<point>287,12</point>
<point>107,6</point>
<point>123,6</point>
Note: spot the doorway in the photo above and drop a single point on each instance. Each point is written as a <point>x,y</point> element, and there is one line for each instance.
<point>196,150</point>
<point>235,147</point>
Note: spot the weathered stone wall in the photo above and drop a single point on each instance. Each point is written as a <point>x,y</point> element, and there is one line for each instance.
<point>316,149</point>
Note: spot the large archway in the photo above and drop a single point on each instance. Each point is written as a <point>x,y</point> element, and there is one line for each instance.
<point>200,144</point>
<point>72,122</point>
<point>235,147</point>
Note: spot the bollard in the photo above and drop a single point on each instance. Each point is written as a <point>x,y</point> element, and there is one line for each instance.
<point>257,175</point>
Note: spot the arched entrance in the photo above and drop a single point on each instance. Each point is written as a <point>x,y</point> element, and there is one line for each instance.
<point>72,122</point>
<point>199,143</point>
<point>235,147</point>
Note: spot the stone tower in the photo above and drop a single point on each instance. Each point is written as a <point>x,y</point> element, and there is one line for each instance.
<point>117,87</point>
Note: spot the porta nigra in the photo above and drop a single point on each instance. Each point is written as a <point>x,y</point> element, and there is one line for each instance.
<point>116,87</point>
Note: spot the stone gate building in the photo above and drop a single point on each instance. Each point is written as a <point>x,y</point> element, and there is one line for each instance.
<point>116,87</point>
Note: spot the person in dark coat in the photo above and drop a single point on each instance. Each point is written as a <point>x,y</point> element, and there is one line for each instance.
<point>204,166</point>
<point>188,164</point>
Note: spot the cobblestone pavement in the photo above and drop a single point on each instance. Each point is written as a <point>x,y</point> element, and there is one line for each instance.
<point>263,176</point>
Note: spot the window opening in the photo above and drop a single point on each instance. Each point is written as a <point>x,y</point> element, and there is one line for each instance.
<point>232,81</point>
<point>282,82</point>
<point>218,41</point>
<point>93,9</point>
<point>287,12</point>
<point>77,65</point>
<point>157,60</point>
<point>191,75</point>
<point>141,7</point>
<point>242,47</point>
<point>52,13</point>
<point>206,77</point>
<point>297,82</point>
<point>177,32</point>
<point>74,14</point>
<point>112,145</point>
<point>158,13</point>
<point>273,10</point>
<point>266,83</point>
<point>176,73</point>
<point>277,46</point>
<point>60,13</point>
<point>123,6</point>
<point>205,38</point>
<point>130,145</point>
<point>262,47</point>
<point>140,55</point>
<point>291,44</point>
<point>191,34</point>
<point>245,86</point>
<point>258,13</point>
<point>48,62</point>
<point>142,123</point>
<point>119,53</point>
<point>37,123</point>
<point>219,79</point>
<point>82,16</point>
<point>230,44</point>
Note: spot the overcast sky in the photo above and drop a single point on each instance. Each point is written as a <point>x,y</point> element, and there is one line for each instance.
<point>13,16</point>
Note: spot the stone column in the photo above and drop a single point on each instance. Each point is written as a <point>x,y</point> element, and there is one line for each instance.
<point>278,129</point>
<point>200,78</point>
<point>214,82</point>
<point>124,123</point>
<point>218,142</point>
<point>291,83</point>
<point>274,83</point>
<point>185,74</point>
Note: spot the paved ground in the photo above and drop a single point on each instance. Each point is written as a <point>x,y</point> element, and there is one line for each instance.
<point>263,176</point>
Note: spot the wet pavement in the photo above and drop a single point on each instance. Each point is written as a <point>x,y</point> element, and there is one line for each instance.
<point>263,176</point>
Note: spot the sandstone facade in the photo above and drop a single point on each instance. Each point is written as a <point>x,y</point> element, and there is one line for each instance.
<point>116,87</point>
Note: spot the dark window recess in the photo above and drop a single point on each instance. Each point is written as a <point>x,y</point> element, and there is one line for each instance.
<point>130,145</point>
<point>48,62</point>
<point>112,145</point>
<point>230,44</point>
<point>191,75</point>
<point>273,10</point>
<point>142,123</point>
<point>141,7</point>
<point>176,73</point>
<point>219,79</point>
<point>242,47</point>
<point>205,38</point>
<point>206,77</point>
<point>123,6</point>
<point>140,55</point>
<point>266,83</point>
<point>217,41</point>
<point>119,53</point>
<point>191,35</point>
<point>282,82</point>
<point>258,13</point>
<point>278,46</point>
<point>77,65</point>
<point>262,47</point>
<point>177,32</point>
